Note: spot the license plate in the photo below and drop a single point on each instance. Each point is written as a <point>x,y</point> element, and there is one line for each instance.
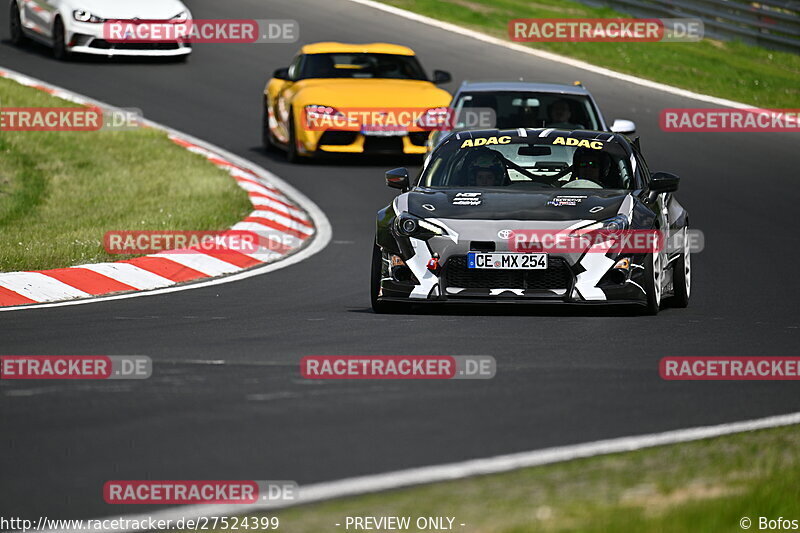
<point>383,133</point>
<point>507,261</point>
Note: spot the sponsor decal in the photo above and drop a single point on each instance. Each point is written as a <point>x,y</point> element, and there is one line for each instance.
<point>581,143</point>
<point>467,198</point>
<point>485,141</point>
<point>568,200</point>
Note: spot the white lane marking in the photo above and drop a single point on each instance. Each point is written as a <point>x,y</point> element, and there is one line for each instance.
<point>323,235</point>
<point>210,266</point>
<point>131,275</point>
<point>549,56</point>
<point>39,287</point>
<point>356,486</point>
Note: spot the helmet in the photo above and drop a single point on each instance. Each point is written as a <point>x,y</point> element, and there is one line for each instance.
<point>485,168</point>
<point>590,164</point>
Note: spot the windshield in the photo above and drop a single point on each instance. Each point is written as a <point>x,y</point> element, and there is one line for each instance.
<point>523,164</point>
<point>347,65</point>
<point>534,109</point>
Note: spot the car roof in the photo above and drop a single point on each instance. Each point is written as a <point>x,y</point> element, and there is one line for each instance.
<point>495,86</point>
<point>367,48</point>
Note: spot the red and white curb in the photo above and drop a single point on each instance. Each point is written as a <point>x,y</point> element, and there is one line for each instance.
<point>282,216</point>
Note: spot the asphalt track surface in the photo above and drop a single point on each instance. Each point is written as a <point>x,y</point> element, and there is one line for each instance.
<point>564,376</point>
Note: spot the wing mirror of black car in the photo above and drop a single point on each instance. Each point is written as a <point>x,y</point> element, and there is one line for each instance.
<point>441,76</point>
<point>534,151</point>
<point>281,74</point>
<point>664,182</point>
<point>397,179</point>
<point>623,126</point>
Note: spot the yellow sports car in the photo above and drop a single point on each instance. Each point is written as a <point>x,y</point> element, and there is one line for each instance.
<point>352,98</point>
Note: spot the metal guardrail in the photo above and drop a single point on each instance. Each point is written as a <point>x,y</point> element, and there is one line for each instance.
<point>772,24</point>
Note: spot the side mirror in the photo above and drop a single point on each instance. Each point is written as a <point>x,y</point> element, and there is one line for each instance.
<point>625,127</point>
<point>441,76</point>
<point>398,179</point>
<point>664,182</point>
<point>281,74</point>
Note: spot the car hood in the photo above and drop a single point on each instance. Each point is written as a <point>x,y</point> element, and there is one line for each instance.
<point>127,9</point>
<point>359,93</point>
<point>489,204</point>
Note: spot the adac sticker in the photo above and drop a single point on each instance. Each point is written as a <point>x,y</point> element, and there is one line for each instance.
<point>467,198</point>
<point>560,201</point>
<point>571,141</point>
<point>485,141</point>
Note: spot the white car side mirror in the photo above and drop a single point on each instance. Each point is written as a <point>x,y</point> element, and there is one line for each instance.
<point>623,126</point>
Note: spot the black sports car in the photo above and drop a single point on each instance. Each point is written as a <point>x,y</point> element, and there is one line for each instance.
<point>532,215</point>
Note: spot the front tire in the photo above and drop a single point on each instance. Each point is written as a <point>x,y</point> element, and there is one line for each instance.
<point>682,275</point>
<point>266,134</point>
<point>60,50</point>
<point>653,283</point>
<point>292,155</point>
<point>15,26</point>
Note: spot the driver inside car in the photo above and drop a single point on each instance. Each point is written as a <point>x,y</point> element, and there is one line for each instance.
<point>485,168</point>
<point>591,165</point>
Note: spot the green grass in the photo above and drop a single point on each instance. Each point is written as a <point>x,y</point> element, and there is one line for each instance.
<point>61,191</point>
<point>730,70</point>
<point>705,486</point>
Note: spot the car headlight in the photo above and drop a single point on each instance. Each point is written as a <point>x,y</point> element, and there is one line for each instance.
<point>436,119</point>
<point>617,223</point>
<point>85,16</point>
<point>604,233</point>
<point>183,16</point>
<point>409,225</point>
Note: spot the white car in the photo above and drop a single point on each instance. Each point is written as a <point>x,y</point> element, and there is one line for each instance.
<point>76,26</point>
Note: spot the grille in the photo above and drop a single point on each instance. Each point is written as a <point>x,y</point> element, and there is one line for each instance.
<point>556,276</point>
<point>338,138</point>
<point>102,44</point>
<point>418,138</point>
<point>383,144</point>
